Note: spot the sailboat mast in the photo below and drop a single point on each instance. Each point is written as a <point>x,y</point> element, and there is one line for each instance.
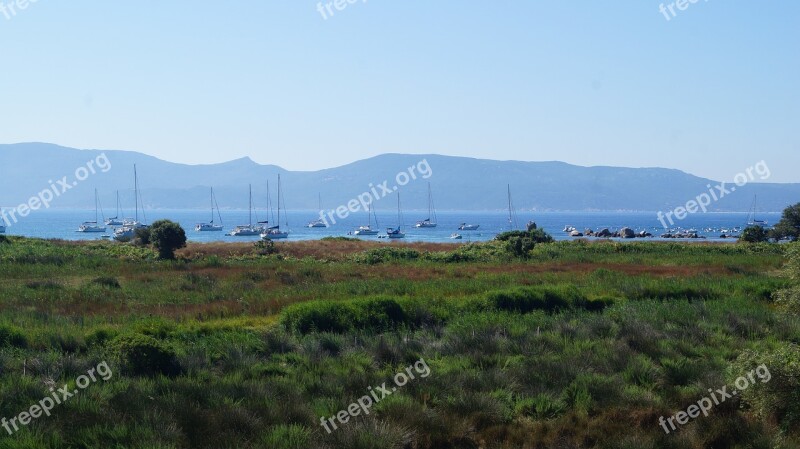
<point>279,201</point>
<point>250,209</point>
<point>136,192</point>
<point>95,207</point>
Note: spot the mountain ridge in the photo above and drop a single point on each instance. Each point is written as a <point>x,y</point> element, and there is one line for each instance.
<point>459,183</point>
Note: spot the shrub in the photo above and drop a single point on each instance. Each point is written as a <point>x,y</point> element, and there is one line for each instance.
<point>520,243</point>
<point>142,355</point>
<point>107,281</point>
<point>375,314</point>
<point>141,236</point>
<point>388,254</point>
<point>549,299</point>
<point>265,247</point>
<point>100,336</point>
<point>754,234</point>
<point>12,337</point>
<point>775,395</point>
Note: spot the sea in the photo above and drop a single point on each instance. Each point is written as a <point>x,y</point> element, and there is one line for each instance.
<point>63,224</point>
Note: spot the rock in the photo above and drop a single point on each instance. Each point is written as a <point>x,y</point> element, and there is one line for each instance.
<point>603,233</point>
<point>588,232</point>
<point>627,233</point>
<point>576,234</point>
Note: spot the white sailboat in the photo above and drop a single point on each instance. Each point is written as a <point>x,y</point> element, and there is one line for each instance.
<point>428,223</point>
<point>512,212</point>
<point>115,220</point>
<point>275,232</point>
<point>366,229</point>
<point>318,223</point>
<point>751,218</point>
<point>397,233</point>
<point>129,226</point>
<point>248,230</point>
<point>93,226</point>
<point>211,227</point>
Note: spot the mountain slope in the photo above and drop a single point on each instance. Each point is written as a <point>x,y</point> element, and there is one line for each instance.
<point>458,183</point>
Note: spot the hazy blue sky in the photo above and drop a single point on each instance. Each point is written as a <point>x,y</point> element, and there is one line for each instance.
<point>711,91</point>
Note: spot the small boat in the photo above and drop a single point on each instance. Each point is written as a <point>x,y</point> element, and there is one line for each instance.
<point>367,229</point>
<point>428,223</point>
<point>129,226</point>
<point>248,230</point>
<point>211,227</point>
<point>93,226</point>
<point>397,233</point>
<point>456,236</point>
<point>115,220</point>
<point>318,223</point>
<point>275,233</point>
<point>468,227</point>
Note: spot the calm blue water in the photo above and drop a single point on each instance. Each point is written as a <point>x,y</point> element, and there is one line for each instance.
<point>62,224</point>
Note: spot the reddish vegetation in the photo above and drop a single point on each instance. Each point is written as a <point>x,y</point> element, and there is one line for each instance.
<point>317,249</point>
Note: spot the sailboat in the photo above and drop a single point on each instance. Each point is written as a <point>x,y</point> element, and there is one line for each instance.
<point>427,223</point>
<point>115,220</point>
<point>512,213</point>
<point>93,226</point>
<point>397,233</point>
<point>129,226</point>
<point>275,233</point>
<point>211,227</point>
<point>318,223</point>
<point>367,229</point>
<point>248,230</point>
<point>751,218</point>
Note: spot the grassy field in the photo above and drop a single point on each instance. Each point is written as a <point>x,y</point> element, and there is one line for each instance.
<point>573,345</point>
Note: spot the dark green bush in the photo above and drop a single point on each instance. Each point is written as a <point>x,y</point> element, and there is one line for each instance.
<point>142,355</point>
<point>375,314</point>
<point>775,395</point>
<point>12,337</point>
<point>107,281</point>
<point>754,234</point>
<point>388,254</point>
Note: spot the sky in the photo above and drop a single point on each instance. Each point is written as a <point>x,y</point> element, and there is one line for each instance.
<point>711,91</point>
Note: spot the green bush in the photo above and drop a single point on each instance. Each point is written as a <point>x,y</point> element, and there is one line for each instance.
<point>754,234</point>
<point>375,314</point>
<point>775,396</point>
<point>142,355</point>
<point>107,281</point>
<point>521,243</point>
<point>387,254</point>
<point>11,337</point>
<point>548,299</point>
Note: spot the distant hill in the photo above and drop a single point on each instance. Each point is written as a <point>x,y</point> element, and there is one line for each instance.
<point>458,183</point>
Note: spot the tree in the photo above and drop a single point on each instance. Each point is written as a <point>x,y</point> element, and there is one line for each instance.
<point>167,236</point>
<point>754,234</point>
<point>789,226</point>
<point>520,243</point>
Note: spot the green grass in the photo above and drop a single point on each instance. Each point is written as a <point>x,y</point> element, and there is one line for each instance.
<point>575,345</point>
